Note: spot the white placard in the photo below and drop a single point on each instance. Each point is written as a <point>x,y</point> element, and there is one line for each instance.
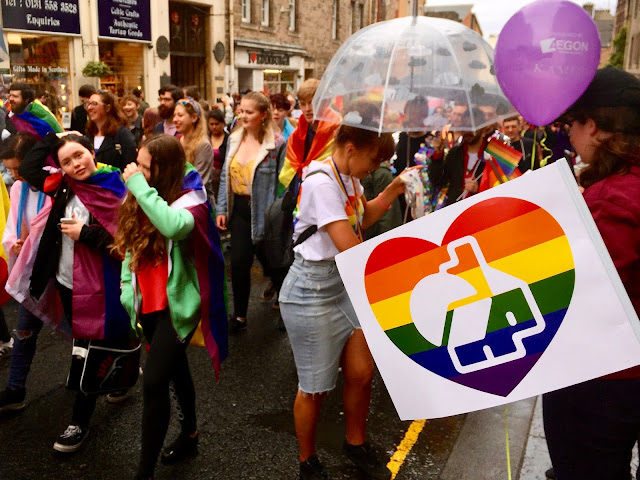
<point>503,296</point>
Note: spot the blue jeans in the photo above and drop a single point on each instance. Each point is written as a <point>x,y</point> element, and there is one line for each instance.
<point>24,347</point>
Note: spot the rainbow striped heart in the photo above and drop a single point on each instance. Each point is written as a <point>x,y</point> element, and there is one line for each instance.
<point>483,307</point>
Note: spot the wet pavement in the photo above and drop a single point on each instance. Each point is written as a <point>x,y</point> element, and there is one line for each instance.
<point>245,420</point>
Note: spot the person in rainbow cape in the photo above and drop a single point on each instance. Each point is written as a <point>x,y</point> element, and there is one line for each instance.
<point>28,114</point>
<point>67,256</point>
<point>311,140</point>
<point>173,279</point>
<point>26,204</point>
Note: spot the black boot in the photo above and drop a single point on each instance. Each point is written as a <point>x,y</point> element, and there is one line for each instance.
<point>184,447</point>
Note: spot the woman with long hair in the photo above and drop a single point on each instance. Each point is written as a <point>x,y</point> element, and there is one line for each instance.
<point>189,121</point>
<point>72,257</point>
<point>591,428</point>
<point>247,188</point>
<point>108,131</point>
<point>172,279</point>
<point>323,328</point>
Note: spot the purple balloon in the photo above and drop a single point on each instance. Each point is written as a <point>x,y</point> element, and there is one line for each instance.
<point>546,56</point>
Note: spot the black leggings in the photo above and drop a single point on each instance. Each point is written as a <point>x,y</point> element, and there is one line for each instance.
<point>166,363</point>
<point>84,405</point>
<point>242,253</point>
<point>5,336</point>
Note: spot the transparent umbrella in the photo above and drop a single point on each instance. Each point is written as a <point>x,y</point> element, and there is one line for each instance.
<point>410,67</point>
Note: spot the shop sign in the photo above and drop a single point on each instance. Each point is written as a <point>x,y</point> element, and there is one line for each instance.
<point>50,16</point>
<point>20,70</point>
<point>267,57</point>
<point>125,19</point>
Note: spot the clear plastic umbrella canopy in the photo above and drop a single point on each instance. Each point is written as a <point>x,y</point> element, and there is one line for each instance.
<point>422,72</point>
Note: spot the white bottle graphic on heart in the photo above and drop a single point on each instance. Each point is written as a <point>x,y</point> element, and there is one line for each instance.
<point>471,318</point>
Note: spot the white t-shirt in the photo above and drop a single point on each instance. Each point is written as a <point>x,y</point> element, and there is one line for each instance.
<point>473,161</point>
<point>65,266</point>
<point>97,142</point>
<point>322,202</point>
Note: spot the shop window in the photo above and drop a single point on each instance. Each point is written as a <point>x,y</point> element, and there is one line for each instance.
<point>127,71</point>
<point>43,62</point>
<point>246,11</point>
<point>188,30</point>
<point>265,13</point>
<point>277,81</point>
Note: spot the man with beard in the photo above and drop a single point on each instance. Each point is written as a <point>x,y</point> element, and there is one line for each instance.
<point>463,166</point>
<point>168,97</point>
<point>28,115</point>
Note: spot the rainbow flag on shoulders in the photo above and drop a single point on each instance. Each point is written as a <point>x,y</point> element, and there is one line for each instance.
<point>508,158</point>
<point>36,119</point>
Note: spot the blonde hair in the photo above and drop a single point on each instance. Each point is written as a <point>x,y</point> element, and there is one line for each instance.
<point>263,104</point>
<point>198,133</point>
<point>308,89</point>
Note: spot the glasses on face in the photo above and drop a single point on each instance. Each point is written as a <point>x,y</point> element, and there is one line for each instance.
<point>93,104</point>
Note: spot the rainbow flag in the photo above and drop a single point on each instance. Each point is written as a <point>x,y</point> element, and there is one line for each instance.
<point>540,257</point>
<point>39,118</point>
<point>494,176</point>
<point>507,157</point>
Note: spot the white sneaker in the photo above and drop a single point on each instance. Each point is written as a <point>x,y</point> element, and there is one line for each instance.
<point>6,348</point>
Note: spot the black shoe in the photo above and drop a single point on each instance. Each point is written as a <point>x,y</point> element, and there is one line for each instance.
<point>312,469</point>
<point>142,477</point>
<point>550,474</point>
<point>365,458</point>
<point>71,440</point>
<point>184,447</point>
<point>12,400</point>
<point>236,325</point>
<point>268,293</point>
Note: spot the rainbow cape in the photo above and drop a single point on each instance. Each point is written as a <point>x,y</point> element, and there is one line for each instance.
<point>508,158</point>
<point>97,311</point>
<point>36,119</point>
<point>209,263</point>
<point>321,147</point>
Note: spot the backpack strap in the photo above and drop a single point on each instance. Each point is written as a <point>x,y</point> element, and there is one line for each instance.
<point>313,228</point>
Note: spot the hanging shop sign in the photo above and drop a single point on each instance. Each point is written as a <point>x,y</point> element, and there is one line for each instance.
<point>125,19</point>
<point>45,16</point>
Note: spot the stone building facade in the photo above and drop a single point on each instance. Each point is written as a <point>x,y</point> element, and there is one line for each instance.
<point>274,45</point>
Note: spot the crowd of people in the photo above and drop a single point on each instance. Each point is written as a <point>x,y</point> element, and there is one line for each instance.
<point>133,194</point>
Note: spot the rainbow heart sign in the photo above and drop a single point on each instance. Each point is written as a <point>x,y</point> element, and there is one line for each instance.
<point>504,277</point>
<point>505,295</point>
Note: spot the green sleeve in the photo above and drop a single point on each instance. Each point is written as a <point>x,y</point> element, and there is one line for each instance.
<point>173,223</point>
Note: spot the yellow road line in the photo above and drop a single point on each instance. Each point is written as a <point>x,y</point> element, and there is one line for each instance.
<point>409,440</point>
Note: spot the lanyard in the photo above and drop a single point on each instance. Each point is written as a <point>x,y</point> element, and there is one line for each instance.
<point>358,227</point>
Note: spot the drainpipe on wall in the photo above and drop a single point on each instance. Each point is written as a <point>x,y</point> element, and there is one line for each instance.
<point>232,50</point>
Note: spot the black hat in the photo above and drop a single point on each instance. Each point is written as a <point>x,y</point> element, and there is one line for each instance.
<point>611,87</point>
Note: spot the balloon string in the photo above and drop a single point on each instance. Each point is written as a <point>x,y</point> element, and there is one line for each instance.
<point>506,429</point>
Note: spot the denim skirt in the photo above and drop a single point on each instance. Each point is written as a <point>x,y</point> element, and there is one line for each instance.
<point>319,318</point>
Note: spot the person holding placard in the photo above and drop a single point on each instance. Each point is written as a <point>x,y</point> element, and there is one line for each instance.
<point>591,427</point>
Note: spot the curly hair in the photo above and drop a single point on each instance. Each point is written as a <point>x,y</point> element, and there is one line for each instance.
<point>616,153</point>
<point>136,234</point>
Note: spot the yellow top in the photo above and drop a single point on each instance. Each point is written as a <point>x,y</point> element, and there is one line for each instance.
<point>240,176</point>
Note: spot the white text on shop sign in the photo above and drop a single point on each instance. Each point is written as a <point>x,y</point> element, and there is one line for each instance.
<point>42,15</point>
<point>128,19</point>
